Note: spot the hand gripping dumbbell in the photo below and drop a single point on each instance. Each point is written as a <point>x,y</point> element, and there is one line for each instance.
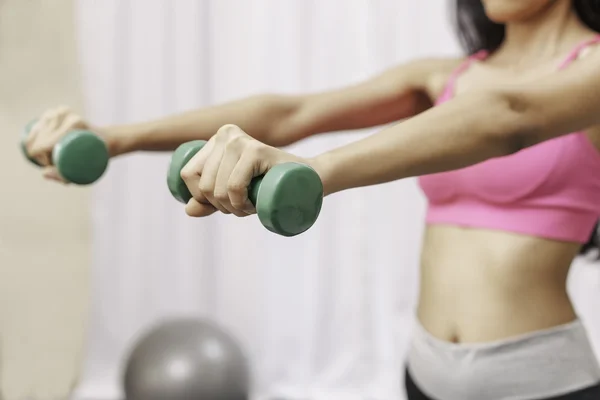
<point>287,198</point>
<point>81,157</point>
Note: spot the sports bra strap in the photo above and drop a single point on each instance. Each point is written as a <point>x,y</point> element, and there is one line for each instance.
<point>450,83</point>
<point>448,91</point>
<point>574,54</point>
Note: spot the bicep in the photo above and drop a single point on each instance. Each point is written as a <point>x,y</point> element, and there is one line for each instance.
<point>565,102</point>
<point>393,95</point>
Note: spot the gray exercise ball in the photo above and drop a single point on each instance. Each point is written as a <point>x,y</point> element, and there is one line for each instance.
<point>186,359</point>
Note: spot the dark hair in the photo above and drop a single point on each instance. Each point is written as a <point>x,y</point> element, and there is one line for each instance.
<point>477,32</point>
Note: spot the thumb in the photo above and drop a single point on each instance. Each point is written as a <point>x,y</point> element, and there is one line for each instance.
<point>196,209</point>
<point>52,174</point>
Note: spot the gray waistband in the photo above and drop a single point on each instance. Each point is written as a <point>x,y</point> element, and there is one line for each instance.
<point>540,364</point>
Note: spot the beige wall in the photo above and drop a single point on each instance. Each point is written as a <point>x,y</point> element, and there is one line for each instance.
<point>44,227</point>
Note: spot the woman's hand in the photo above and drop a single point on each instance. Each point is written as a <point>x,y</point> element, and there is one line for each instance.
<point>218,176</point>
<point>52,126</point>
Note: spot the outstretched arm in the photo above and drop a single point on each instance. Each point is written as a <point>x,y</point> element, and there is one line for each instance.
<point>470,129</point>
<point>279,120</point>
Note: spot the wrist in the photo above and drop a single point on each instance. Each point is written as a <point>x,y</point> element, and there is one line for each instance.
<point>117,139</point>
<point>323,164</point>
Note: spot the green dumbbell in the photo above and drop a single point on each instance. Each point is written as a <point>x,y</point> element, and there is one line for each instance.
<point>287,198</point>
<point>81,157</point>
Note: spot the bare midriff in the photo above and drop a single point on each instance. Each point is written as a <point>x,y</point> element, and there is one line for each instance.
<point>482,285</point>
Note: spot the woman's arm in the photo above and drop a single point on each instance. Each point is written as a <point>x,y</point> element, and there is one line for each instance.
<point>280,120</point>
<point>470,129</point>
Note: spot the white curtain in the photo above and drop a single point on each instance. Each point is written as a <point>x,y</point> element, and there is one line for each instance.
<point>325,315</point>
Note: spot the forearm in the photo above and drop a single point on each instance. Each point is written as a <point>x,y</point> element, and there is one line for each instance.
<point>260,116</point>
<point>460,133</point>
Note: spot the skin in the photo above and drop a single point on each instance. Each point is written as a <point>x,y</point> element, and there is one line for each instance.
<point>509,284</point>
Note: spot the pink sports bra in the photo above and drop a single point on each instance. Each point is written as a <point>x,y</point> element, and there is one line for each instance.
<point>550,190</point>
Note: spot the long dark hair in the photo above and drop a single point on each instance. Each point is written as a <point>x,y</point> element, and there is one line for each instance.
<point>477,32</point>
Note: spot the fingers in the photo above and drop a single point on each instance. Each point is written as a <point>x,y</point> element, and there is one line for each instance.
<point>48,130</point>
<point>216,183</point>
<point>238,182</point>
<point>209,174</point>
<point>45,142</point>
<point>223,157</point>
<point>207,182</point>
<point>51,173</point>
<point>224,193</point>
<point>191,176</point>
<point>48,122</point>
<point>42,157</point>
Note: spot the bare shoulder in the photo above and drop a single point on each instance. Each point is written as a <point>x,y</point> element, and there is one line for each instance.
<point>422,72</point>
<point>436,72</point>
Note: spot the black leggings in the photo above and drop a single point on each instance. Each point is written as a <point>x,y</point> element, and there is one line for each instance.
<point>592,393</point>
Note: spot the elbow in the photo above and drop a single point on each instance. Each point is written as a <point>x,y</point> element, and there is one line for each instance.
<point>281,113</point>
<point>291,127</point>
<point>283,134</point>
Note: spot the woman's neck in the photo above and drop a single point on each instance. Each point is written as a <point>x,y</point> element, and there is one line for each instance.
<point>546,35</point>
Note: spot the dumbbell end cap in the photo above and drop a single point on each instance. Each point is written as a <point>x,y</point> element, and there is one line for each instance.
<point>289,199</point>
<point>81,157</point>
<point>181,156</point>
<point>24,136</point>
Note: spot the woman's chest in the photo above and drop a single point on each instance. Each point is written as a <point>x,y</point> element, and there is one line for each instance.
<point>568,162</point>
<point>565,166</point>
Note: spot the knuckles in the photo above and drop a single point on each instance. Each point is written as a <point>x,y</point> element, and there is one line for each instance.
<point>76,121</point>
<point>56,112</point>
<point>229,139</point>
<point>58,121</point>
<point>221,196</point>
<point>233,139</point>
<point>236,143</point>
<point>229,130</point>
<point>63,109</point>
<point>235,188</point>
<point>238,205</point>
<point>206,188</point>
<point>187,173</point>
<point>255,149</point>
<point>37,149</point>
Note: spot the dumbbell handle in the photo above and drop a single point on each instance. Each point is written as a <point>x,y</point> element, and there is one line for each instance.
<point>254,188</point>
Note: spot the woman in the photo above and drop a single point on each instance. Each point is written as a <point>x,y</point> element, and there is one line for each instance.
<point>510,154</point>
